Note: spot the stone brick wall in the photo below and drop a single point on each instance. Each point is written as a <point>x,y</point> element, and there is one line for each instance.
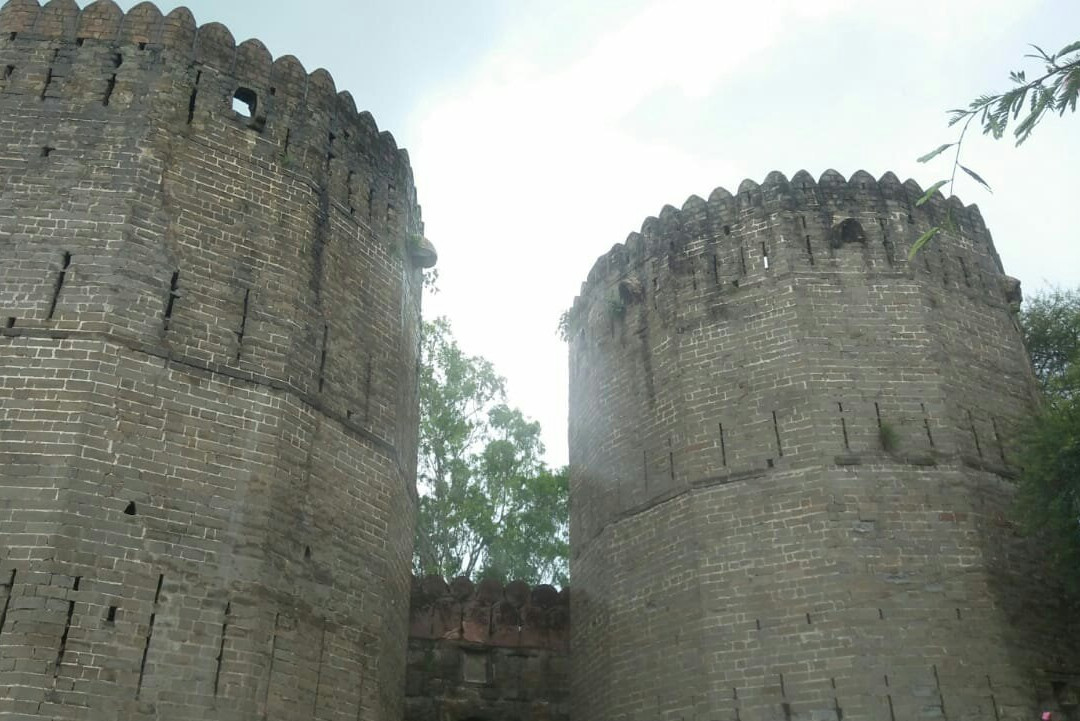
<point>208,356</point>
<point>487,653</point>
<point>790,470</point>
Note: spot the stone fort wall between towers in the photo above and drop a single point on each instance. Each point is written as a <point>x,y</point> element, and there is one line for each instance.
<point>790,467</point>
<point>208,360</point>
<point>485,651</point>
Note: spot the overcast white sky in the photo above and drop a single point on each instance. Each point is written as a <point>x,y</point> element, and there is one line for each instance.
<point>541,132</point>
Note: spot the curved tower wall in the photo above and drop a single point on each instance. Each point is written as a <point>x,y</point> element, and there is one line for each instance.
<point>790,470</point>
<point>208,347</point>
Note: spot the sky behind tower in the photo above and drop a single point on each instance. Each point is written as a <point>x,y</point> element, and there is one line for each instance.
<point>541,132</point>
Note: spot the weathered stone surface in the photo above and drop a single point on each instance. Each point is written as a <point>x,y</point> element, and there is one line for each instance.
<point>208,334</point>
<point>486,663</point>
<point>790,471</point>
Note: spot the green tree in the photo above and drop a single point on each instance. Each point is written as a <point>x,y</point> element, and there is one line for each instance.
<point>1055,88</point>
<point>489,505</point>
<point>1049,445</point>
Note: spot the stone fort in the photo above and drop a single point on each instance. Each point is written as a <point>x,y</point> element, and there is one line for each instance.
<point>789,443</point>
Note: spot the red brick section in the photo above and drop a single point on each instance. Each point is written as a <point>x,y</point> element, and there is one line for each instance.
<point>790,468</point>
<point>208,342</point>
<point>486,651</point>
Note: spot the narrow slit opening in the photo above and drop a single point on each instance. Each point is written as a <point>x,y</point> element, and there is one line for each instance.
<point>776,430</point>
<point>109,88</point>
<point>174,293</point>
<point>191,100</point>
<point>59,287</point>
<point>322,358</point>
<point>723,447</point>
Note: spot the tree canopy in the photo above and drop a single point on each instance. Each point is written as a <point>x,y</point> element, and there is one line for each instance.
<point>1049,446</point>
<point>489,505</point>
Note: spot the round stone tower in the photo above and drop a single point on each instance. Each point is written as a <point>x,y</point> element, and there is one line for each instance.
<point>790,467</point>
<point>210,272</point>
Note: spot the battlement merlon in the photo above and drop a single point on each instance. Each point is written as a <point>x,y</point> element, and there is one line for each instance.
<point>721,217</point>
<point>271,86</point>
<point>489,613</point>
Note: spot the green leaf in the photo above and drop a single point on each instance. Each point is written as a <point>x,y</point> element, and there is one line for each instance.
<point>978,178</point>
<point>936,152</point>
<point>1070,92</point>
<point>1071,47</point>
<point>923,240</point>
<point>930,192</point>
<point>1042,53</point>
<point>949,223</point>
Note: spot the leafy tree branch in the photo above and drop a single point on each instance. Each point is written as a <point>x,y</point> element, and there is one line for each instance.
<point>1055,89</point>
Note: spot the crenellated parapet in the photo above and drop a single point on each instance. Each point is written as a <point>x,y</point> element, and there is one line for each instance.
<point>298,120</point>
<point>210,288</point>
<point>490,614</point>
<point>797,225</point>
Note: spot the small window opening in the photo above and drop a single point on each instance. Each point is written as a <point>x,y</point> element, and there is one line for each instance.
<point>110,617</point>
<point>13,36</point>
<point>273,90</point>
<point>79,42</point>
<point>307,553</point>
<point>9,323</point>
<point>47,151</point>
<point>849,231</point>
<point>765,256</point>
<point>8,71</point>
<point>244,102</point>
<point>727,230</point>
<point>130,509</point>
<point>142,46</point>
